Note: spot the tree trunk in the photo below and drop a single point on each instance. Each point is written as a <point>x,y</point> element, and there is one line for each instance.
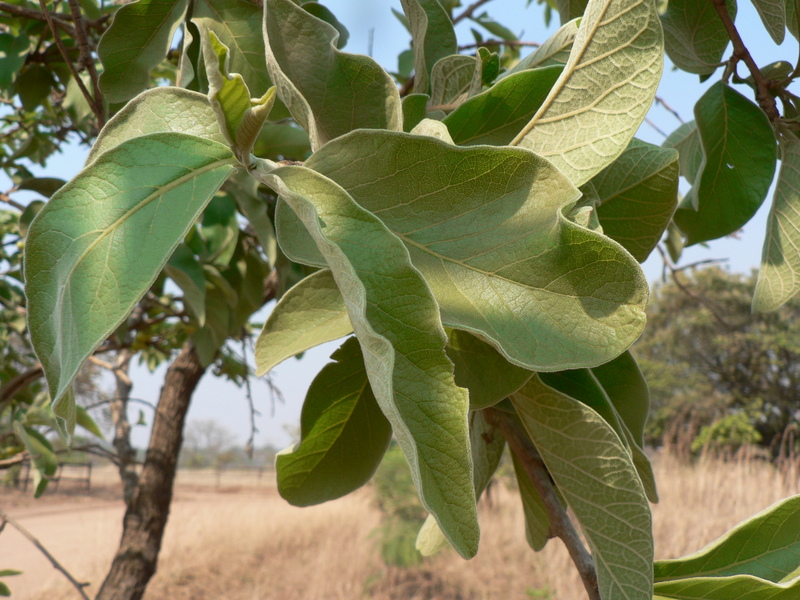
<point>122,427</point>
<point>146,516</point>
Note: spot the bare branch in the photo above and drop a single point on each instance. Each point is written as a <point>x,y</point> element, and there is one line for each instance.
<point>57,565</point>
<point>468,12</point>
<point>86,59</point>
<point>27,13</point>
<point>7,199</point>
<point>660,100</point>
<point>517,43</point>
<point>561,525</point>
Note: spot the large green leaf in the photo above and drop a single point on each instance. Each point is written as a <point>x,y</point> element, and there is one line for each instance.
<point>623,382</point>
<point>184,269</point>
<point>739,162</point>
<point>485,227</point>
<point>100,242</point>
<point>237,24</point>
<point>604,92</point>
<point>694,35</point>
<point>433,38</point>
<point>160,110</point>
<point>765,546</point>
<point>686,140</point>
<point>343,434</point>
<point>487,447</point>
<point>482,370</point>
<point>13,52</point>
<point>328,92</point>
<point>311,313</point>
<point>740,587</point>
<point>773,15</point>
<point>638,195</point>
<point>454,79</point>
<point>592,468</point>
<point>779,276</point>
<point>554,51</point>
<point>495,116</point>
<point>136,42</point>
<point>396,320</point>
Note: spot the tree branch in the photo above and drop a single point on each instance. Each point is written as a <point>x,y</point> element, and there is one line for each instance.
<point>740,52</point>
<point>57,565</point>
<point>27,13</point>
<point>86,59</point>
<point>7,199</point>
<point>518,43</point>
<point>467,14</point>
<point>561,525</point>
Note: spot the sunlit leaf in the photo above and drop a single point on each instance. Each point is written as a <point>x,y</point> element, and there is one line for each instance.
<point>694,35</point>
<point>184,270</point>
<point>433,38</point>
<point>686,140</point>
<point>741,587</point>
<point>554,51</point>
<point>773,16</point>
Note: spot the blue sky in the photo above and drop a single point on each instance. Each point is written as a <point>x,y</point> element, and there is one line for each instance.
<point>227,404</point>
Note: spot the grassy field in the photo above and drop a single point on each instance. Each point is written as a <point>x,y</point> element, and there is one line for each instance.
<point>253,546</point>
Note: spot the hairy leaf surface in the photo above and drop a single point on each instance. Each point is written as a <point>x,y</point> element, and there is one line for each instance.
<point>98,245</point>
<point>741,587</point>
<point>604,92</point>
<point>433,37</point>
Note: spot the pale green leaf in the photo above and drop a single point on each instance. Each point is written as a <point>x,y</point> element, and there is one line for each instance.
<point>85,420</point>
<point>740,587</point>
<point>135,43</point>
<point>328,92</point>
<point>766,546</point>
<point>554,51</point>
<point>98,245</point>
<point>686,140</point>
<point>495,116</point>
<point>638,195</point>
<point>482,370</point>
<point>396,320</point>
<point>244,189</point>
<point>694,35</point>
<point>773,16</point>
<point>160,110</point>
<point>237,24</point>
<point>454,79</point>
<point>485,227</point>
<point>487,447</point>
<point>185,271</point>
<point>604,92</point>
<point>434,129</point>
<point>312,312</point>
<point>592,468</point>
<point>779,275</point>
<point>737,168</point>
<point>209,338</point>
<point>324,13</point>
<point>537,522</point>
<point>627,389</point>
<point>343,434</point>
<point>45,461</point>
<point>433,38</point>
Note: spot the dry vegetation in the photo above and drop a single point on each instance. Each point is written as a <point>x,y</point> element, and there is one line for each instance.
<point>252,546</point>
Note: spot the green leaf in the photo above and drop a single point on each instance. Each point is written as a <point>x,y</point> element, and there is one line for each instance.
<point>627,389</point>
<point>495,116</point>
<point>554,51</point>
<point>570,9</point>
<point>765,546</point>
<point>638,195</point>
<point>13,53</point>
<point>4,590</point>
<point>482,370</point>
<point>240,117</point>
<point>46,186</point>
<point>9,572</point>
<point>324,14</point>
<point>27,216</point>
<point>414,110</point>
<point>135,43</point>
<point>279,141</point>
<point>739,162</point>
<point>209,338</point>
<point>592,468</point>
<point>328,92</point>
<point>604,92</point>
<point>537,523</point>
<point>219,230</point>
<point>694,35</point>
<point>244,189</point>
<point>451,205</point>
<point>85,420</point>
<point>487,446</point>
<point>45,462</point>
<point>343,434</point>
<point>98,245</point>
<point>237,24</point>
<point>160,110</point>
<point>741,587</point>
<point>779,275</point>
<point>792,8</point>
<point>454,79</point>
<point>433,38</point>
<point>493,27</point>
<point>34,85</point>
<point>397,323</point>
<point>686,140</point>
<point>773,15</point>
<point>184,270</point>
<point>310,313</point>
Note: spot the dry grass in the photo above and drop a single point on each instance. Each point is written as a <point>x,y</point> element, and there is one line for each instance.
<point>255,547</point>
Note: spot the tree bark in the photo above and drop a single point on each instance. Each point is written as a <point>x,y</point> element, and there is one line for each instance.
<point>122,427</point>
<point>146,516</point>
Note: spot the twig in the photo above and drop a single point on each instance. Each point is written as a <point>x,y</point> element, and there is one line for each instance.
<point>660,100</point>
<point>740,52</point>
<point>654,126</point>
<point>7,199</point>
<point>86,59</point>
<point>248,448</point>
<point>65,53</point>
<point>467,14</point>
<point>520,43</point>
<point>561,525</point>
<point>17,383</point>
<point>27,13</point>
<point>685,289</point>
<point>78,586</point>
<point>14,460</point>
